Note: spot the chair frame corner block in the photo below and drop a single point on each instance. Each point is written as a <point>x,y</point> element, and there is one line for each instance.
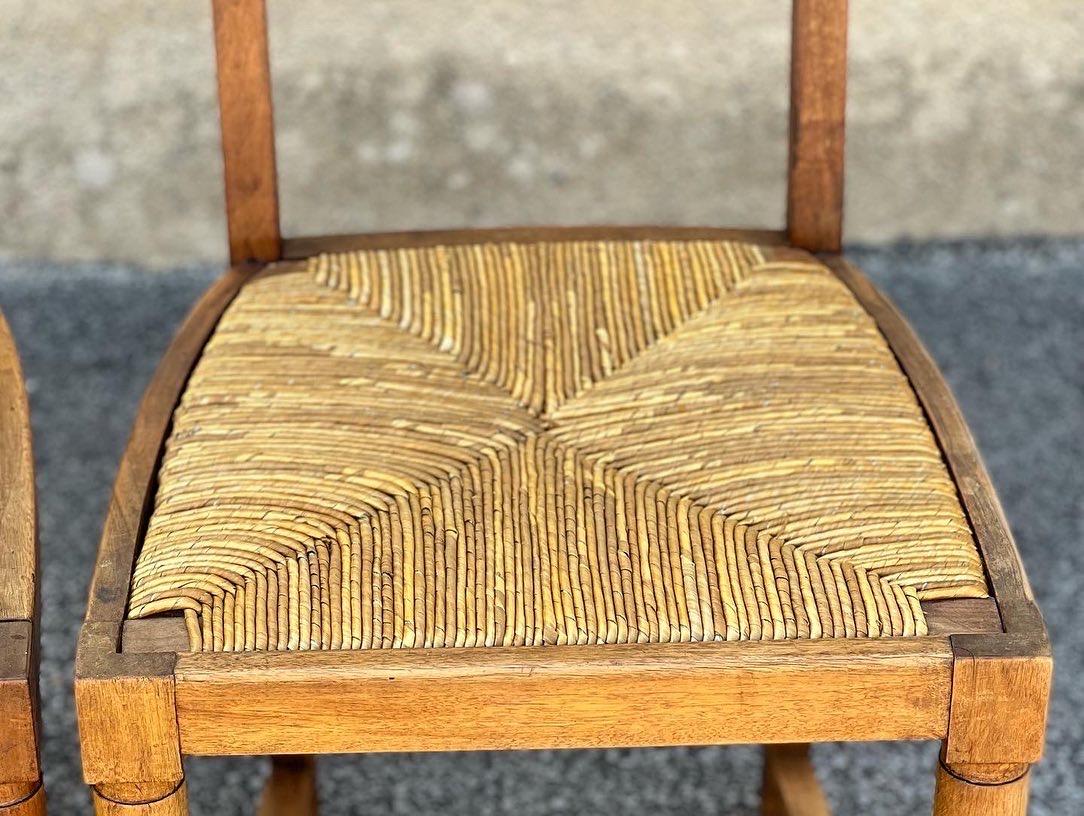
<point>979,681</point>
<point>21,790</point>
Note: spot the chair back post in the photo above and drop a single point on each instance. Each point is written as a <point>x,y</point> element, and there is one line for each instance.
<point>248,130</point>
<point>818,100</point>
<point>817,106</point>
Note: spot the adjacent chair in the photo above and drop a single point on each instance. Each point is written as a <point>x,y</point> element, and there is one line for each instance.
<point>552,488</point>
<point>21,792</point>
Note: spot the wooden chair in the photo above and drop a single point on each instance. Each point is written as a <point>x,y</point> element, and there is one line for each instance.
<point>21,792</point>
<point>552,488</point>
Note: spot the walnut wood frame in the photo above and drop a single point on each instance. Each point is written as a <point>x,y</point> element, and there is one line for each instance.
<point>21,792</point>
<point>979,682</point>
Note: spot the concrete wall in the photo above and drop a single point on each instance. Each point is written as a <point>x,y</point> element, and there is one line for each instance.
<point>966,118</point>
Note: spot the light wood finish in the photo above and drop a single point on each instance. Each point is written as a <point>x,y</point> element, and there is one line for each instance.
<point>18,541</point>
<point>20,771</point>
<point>955,796</point>
<point>818,99</point>
<point>173,803</point>
<point>29,804</point>
<point>790,785</point>
<point>1000,694</point>
<point>291,787</point>
<point>377,451</point>
<point>128,732</point>
<point>562,696</point>
<point>248,130</point>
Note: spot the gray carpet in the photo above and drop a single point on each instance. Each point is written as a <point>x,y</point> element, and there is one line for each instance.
<point>1006,321</point>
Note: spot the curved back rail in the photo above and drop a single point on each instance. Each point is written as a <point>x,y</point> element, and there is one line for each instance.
<point>817,103</point>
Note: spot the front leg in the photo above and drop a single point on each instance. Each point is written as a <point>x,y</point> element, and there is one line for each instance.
<point>126,799</point>
<point>128,733</point>
<point>997,722</point>
<point>981,790</point>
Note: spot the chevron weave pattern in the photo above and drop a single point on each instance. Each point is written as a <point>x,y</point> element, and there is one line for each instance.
<point>529,444</point>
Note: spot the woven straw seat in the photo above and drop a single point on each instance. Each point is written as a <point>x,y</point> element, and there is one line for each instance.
<point>549,443</point>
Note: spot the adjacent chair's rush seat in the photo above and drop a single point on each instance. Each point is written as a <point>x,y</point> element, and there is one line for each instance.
<point>21,792</point>
<point>564,487</point>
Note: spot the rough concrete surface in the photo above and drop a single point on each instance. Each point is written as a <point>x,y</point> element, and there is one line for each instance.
<point>1005,322</point>
<point>965,118</point>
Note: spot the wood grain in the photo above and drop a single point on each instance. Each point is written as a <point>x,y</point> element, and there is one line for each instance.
<point>18,511</point>
<point>175,803</point>
<point>162,634</point>
<point>562,697</point>
<point>790,785</point>
<point>818,98</point>
<point>248,130</point>
<point>1000,696</point>
<point>125,705</point>
<point>957,797</point>
<point>31,803</point>
<point>20,771</point>
<point>962,616</point>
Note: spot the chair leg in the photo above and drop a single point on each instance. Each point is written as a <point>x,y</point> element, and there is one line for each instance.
<point>790,785</point>
<point>129,739</point>
<point>291,788</point>
<point>30,803</point>
<point>981,790</point>
<point>128,800</point>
